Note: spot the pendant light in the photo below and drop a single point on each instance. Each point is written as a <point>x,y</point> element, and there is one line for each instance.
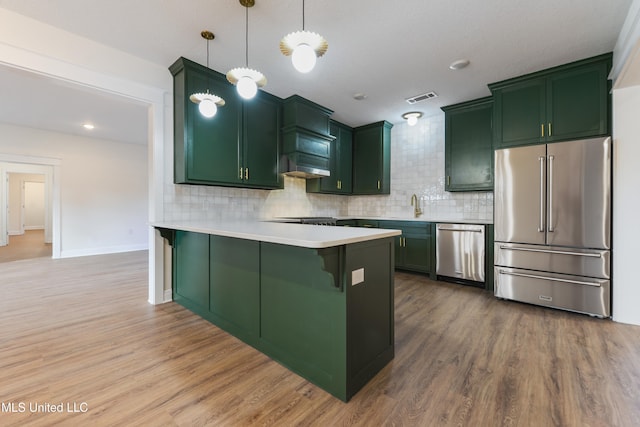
<point>303,47</point>
<point>247,80</point>
<point>208,103</point>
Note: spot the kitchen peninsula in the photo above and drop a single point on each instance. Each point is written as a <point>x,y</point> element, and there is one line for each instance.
<point>317,299</point>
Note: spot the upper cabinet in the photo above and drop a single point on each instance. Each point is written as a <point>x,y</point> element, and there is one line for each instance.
<point>567,102</point>
<point>340,163</point>
<point>372,158</point>
<point>468,146</point>
<point>237,147</point>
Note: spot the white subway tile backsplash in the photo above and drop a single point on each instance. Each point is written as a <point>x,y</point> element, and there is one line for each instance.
<point>417,167</point>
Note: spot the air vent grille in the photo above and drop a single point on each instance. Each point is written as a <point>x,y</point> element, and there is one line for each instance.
<point>422,97</point>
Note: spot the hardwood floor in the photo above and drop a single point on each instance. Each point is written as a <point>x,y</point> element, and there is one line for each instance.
<point>80,332</point>
<point>24,246</point>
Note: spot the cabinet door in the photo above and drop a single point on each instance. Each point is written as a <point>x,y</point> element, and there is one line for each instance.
<point>191,270</point>
<point>577,103</point>
<point>417,252</point>
<point>212,143</point>
<point>340,164</point>
<point>261,135</point>
<point>235,284</point>
<point>371,158</point>
<point>468,147</point>
<point>519,113</point>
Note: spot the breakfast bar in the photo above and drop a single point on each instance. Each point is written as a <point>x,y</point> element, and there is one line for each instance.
<point>317,299</point>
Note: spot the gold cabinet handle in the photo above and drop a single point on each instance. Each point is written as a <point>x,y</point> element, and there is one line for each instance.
<point>448,179</point>
<point>549,133</point>
<point>339,185</point>
<point>542,130</point>
<point>241,170</point>
<point>246,174</point>
<point>378,184</point>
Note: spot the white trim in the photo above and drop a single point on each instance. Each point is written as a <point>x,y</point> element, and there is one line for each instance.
<point>33,227</point>
<point>168,295</point>
<point>104,250</point>
<point>627,46</point>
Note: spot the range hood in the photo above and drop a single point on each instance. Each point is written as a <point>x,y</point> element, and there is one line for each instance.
<point>306,154</point>
<point>306,142</point>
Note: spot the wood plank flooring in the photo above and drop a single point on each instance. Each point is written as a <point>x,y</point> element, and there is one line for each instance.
<point>24,246</point>
<point>80,332</point>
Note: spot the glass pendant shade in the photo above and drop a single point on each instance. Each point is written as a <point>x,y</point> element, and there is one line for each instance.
<point>208,108</point>
<point>246,87</point>
<point>412,120</point>
<point>303,58</point>
<point>304,47</point>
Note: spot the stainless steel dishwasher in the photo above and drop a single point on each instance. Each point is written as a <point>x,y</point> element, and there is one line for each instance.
<point>460,252</point>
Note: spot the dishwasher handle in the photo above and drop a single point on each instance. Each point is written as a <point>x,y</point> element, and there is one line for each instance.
<point>461,230</point>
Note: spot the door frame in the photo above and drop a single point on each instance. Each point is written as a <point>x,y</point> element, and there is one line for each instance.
<point>50,168</point>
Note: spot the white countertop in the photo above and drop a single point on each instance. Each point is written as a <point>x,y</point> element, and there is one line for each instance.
<point>308,236</point>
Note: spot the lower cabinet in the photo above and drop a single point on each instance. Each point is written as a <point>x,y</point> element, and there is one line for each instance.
<point>234,284</point>
<point>326,314</point>
<point>415,247</point>
<point>191,279</point>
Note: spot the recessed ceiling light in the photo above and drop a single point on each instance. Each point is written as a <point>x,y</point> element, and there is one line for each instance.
<point>459,64</point>
<point>359,96</point>
<point>88,126</point>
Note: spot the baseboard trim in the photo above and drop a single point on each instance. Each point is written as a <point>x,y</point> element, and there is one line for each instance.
<point>103,251</point>
<point>168,295</point>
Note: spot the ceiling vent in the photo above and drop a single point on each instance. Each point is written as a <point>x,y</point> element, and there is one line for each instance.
<point>422,97</point>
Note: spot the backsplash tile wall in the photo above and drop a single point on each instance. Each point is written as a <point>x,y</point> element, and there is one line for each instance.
<point>417,167</point>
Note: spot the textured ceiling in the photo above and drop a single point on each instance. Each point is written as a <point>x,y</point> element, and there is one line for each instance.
<point>387,50</point>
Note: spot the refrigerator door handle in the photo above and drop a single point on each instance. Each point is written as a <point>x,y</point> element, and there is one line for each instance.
<point>547,251</point>
<point>550,228</point>
<point>541,221</point>
<point>554,279</point>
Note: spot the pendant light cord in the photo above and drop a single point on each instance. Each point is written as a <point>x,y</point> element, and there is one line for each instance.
<point>302,15</point>
<point>207,53</point>
<point>246,37</point>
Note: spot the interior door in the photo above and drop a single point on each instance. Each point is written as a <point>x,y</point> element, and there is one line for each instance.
<point>520,194</point>
<point>579,193</point>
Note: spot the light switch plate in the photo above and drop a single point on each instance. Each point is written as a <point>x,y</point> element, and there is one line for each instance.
<point>357,276</point>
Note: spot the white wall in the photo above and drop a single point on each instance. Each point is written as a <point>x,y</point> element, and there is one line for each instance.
<point>626,173</point>
<point>33,205</point>
<point>626,205</point>
<point>103,198</point>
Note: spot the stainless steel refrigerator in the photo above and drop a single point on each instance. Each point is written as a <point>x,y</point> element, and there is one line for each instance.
<point>552,222</point>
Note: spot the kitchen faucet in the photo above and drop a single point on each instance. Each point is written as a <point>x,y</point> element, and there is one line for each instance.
<point>416,210</point>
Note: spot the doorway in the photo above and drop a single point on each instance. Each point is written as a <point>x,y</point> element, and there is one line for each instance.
<point>26,218</point>
<point>28,209</point>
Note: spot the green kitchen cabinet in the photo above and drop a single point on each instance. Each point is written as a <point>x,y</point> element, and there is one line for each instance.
<point>238,147</point>
<point>234,301</point>
<point>570,101</point>
<point>326,314</point>
<point>261,142</point>
<point>415,248</point>
<point>191,271</point>
<point>468,149</point>
<point>340,163</point>
<point>372,159</point>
